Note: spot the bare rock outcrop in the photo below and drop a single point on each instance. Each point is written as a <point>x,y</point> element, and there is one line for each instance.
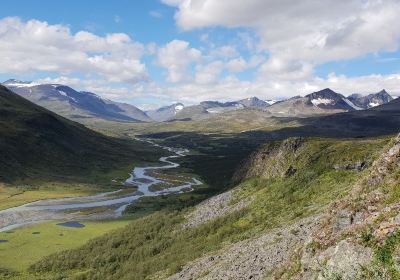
<point>250,259</point>
<point>215,207</point>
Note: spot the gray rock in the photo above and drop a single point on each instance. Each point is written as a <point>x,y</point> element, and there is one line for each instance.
<point>344,259</point>
<point>215,207</point>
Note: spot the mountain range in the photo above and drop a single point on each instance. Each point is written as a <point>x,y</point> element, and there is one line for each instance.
<point>80,105</point>
<point>75,104</point>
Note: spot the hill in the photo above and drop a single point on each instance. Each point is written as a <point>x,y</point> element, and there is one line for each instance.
<point>38,144</point>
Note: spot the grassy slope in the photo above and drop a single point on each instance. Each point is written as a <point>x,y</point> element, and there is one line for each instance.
<point>40,150</point>
<point>154,244</point>
<point>36,143</point>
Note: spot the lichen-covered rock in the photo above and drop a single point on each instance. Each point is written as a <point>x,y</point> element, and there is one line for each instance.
<point>344,260</point>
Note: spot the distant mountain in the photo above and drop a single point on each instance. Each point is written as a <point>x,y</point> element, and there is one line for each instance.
<point>328,99</point>
<point>393,105</point>
<point>325,101</point>
<point>165,113</point>
<point>37,143</point>
<point>371,100</point>
<point>74,104</point>
<point>208,109</point>
<point>253,102</point>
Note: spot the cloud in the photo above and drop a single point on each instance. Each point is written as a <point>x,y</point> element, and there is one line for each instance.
<point>38,46</point>
<point>230,88</point>
<point>237,65</point>
<point>176,56</point>
<point>209,73</point>
<point>225,51</point>
<point>301,34</point>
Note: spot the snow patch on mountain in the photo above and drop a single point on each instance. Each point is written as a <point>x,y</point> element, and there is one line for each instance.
<point>178,107</point>
<point>63,93</point>
<point>271,102</point>
<point>324,101</point>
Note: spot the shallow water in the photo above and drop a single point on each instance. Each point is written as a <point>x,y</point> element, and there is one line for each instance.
<point>55,209</point>
<point>73,224</point>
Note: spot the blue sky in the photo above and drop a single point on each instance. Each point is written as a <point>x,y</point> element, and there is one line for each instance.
<point>193,50</point>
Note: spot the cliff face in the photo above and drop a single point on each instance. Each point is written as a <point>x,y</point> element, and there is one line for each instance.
<point>277,159</point>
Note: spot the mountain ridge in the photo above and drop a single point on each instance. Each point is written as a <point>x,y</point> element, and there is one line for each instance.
<point>81,105</point>
<point>73,104</point>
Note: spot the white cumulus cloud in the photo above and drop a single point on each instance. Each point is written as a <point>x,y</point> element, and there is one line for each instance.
<point>34,45</point>
<point>300,34</point>
<point>176,56</point>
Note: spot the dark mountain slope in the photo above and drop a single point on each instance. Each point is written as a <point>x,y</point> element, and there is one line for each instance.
<point>328,99</point>
<point>37,143</point>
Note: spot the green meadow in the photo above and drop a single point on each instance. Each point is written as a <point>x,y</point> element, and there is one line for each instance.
<point>29,244</point>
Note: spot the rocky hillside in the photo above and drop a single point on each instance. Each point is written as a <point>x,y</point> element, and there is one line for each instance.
<point>356,237</point>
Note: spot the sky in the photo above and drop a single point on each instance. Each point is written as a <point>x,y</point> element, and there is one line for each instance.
<point>156,52</point>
